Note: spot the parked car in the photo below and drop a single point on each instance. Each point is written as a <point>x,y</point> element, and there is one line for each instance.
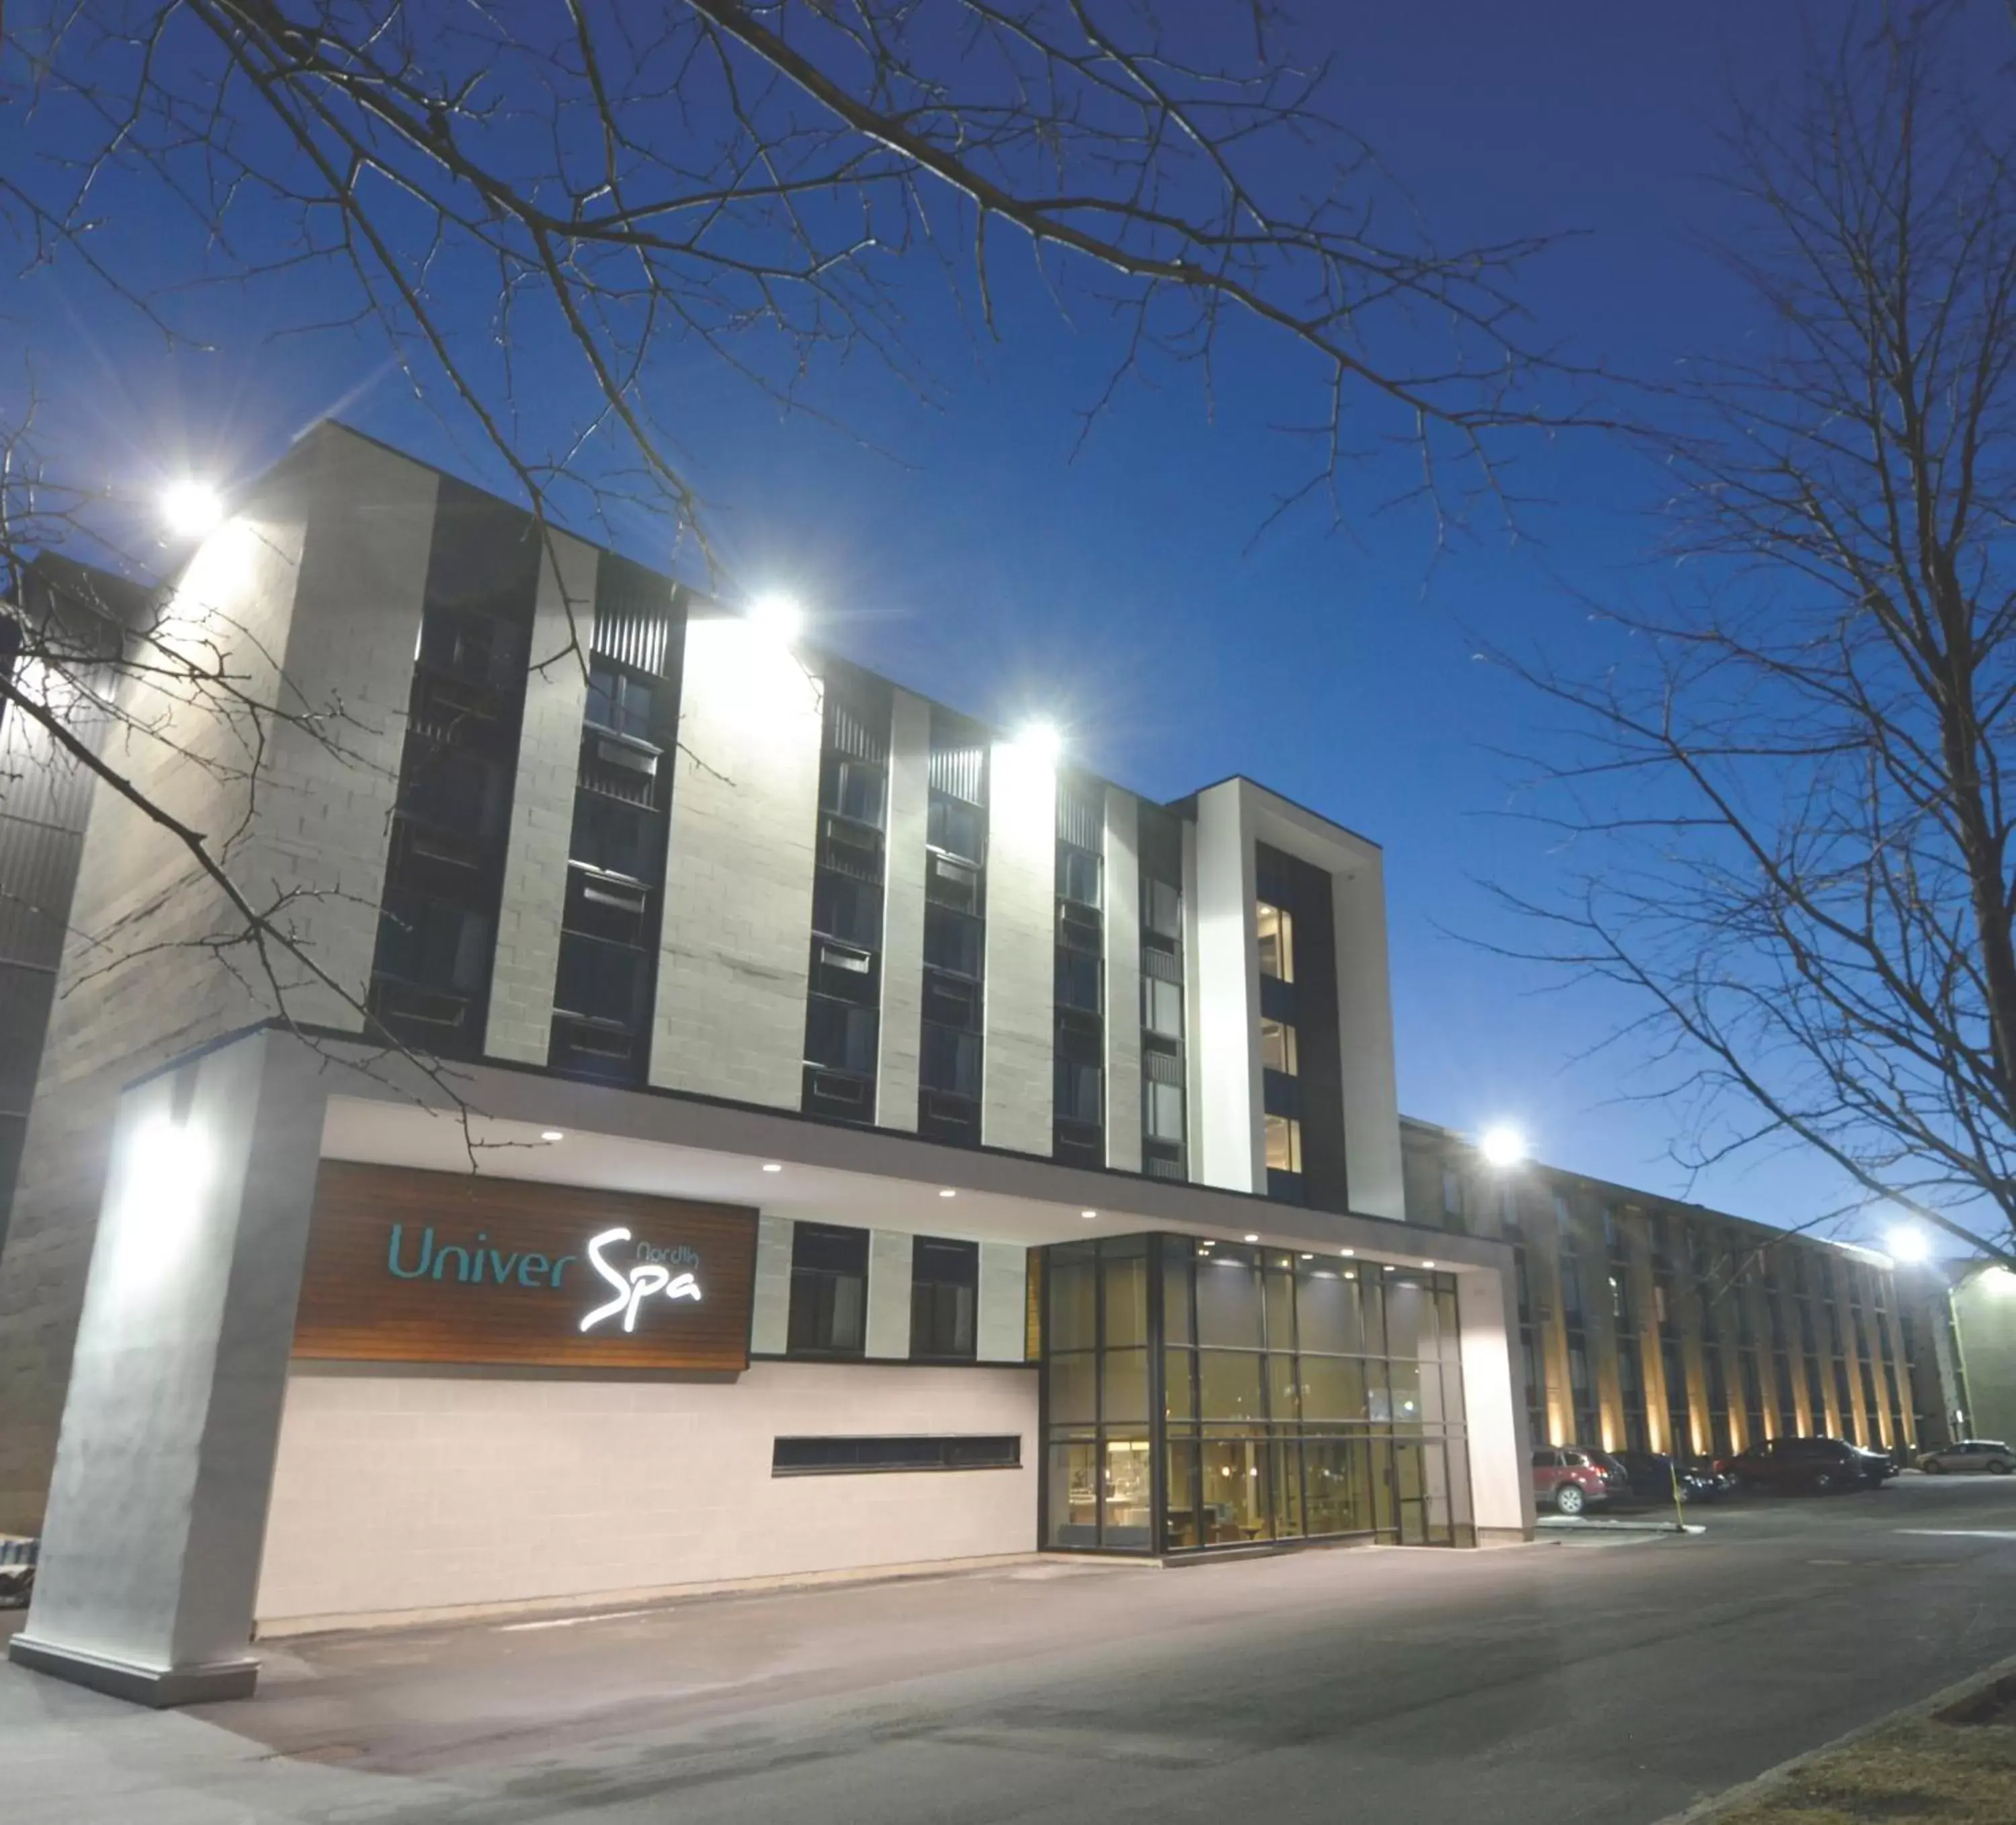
<point>1652,1475</point>
<point>1814,1466</point>
<point>1716,1481</point>
<point>1568,1479</point>
<point>1990,1454</point>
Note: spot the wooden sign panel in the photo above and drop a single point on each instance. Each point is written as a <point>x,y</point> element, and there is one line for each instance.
<point>408,1266</point>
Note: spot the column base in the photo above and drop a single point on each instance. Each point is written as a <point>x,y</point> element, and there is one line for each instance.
<point>157,1686</point>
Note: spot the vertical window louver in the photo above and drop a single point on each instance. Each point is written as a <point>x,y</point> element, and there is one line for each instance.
<point>606,985</point>
<point>955,933</point>
<point>1078,1133</point>
<point>451,820</point>
<point>843,1019</point>
<point>1164,1118</point>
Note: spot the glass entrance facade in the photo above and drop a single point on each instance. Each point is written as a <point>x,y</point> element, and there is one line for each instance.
<point>1201,1394</point>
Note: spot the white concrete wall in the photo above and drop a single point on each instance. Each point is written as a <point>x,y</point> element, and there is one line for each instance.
<point>890,1259</point>
<point>1494,1412</point>
<point>1001,1329</point>
<point>1225,1127</point>
<point>737,931</point>
<point>1193,1000</point>
<point>900,1039</point>
<point>1375,1177</point>
<point>159,1498</point>
<point>1018,1093</point>
<point>770,1304</point>
<point>312,589</point>
<point>416,1493</point>
<point>1123,982</point>
<point>520,1025</point>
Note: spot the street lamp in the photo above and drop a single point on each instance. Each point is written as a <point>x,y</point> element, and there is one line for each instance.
<point>191,509</point>
<point>776,616</point>
<point>1909,1245</point>
<point>1502,1147</point>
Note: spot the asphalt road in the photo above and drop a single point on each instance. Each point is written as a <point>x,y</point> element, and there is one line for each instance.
<point>1583,1680</point>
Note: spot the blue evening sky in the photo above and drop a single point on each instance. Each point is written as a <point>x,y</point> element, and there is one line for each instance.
<point>982,565</point>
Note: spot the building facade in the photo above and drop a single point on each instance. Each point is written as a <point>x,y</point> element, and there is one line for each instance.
<point>1648,1324</point>
<point>735,1119</point>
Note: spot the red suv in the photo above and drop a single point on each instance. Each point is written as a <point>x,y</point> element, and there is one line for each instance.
<point>1568,1479</point>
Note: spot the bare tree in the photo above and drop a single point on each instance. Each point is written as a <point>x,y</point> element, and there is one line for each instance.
<point>1790,806</point>
<point>547,214</point>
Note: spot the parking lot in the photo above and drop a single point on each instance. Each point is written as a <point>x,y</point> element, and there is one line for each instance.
<point>1611,1676</point>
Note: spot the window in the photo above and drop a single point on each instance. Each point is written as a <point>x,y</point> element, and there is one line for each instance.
<point>618,702</point>
<point>843,907</point>
<point>854,788</point>
<point>597,981</point>
<point>951,941</point>
<point>1277,942</point>
<point>855,1456</point>
<point>1451,1192</point>
<point>615,835</point>
<point>1077,984</point>
<point>1277,1046</point>
<point>947,883</point>
<point>843,972</point>
<point>944,1279</point>
<point>829,1291</point>
<point>1078,1091</point>
<point>950,1061</point>
<point>839,1036</point>
<point>1284,1143</point>
<point>954,827</point>
<point>1162,1007</point>
<point>1162,1111</point>
<point>1078,875</point>
<point>434,945</point>
<point>1162,908</point>
<point>950,1001</point>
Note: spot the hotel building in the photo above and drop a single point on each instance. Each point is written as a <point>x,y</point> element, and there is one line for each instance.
<point>1645,1323</point>
<point>735,1119</point>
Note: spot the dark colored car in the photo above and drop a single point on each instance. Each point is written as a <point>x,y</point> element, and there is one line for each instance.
<point>1567,1479</point>
<point>1652,1474</point>
<point>1815,1466</point>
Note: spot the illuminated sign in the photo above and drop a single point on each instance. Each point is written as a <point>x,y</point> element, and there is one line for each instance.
<point>414,1266</point>
<point>648,1277</point>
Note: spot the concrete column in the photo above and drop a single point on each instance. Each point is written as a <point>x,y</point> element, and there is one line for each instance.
<point>1018,1093</point>
<point>1001,1330</point>
<point>737,944</point>
<point>770,1302</point>
<point>889,1275</point>
<point>1225,1126</point>
<point>1193,1001</point>
<point>903,914</point>
<point>1375,1180</point>
<point>520,1021</point>
<point>1501,1490</point>
<point>1122,873</point>
<point>157,1509</point>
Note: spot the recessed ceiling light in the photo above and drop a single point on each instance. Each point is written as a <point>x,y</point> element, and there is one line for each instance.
<point>1347,1253</point>
<point>1088,1214</point>
<point>1253,1238</point>
<point>1387,1267</point>
<point>551,1134</point>
<point>773,1165</point>
<point>1308,1258</point>
<point>947,1191</point>
<point>1428,1264</point>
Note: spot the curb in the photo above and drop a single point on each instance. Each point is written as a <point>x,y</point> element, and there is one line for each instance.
<point>1760,1786</point>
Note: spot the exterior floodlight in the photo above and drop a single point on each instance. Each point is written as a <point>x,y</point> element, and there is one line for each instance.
<point>191,509</point>
<point>1502,1147</point>
<point>1040,741</point>
<point>1908,1245</point>
<point>777,617</point>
